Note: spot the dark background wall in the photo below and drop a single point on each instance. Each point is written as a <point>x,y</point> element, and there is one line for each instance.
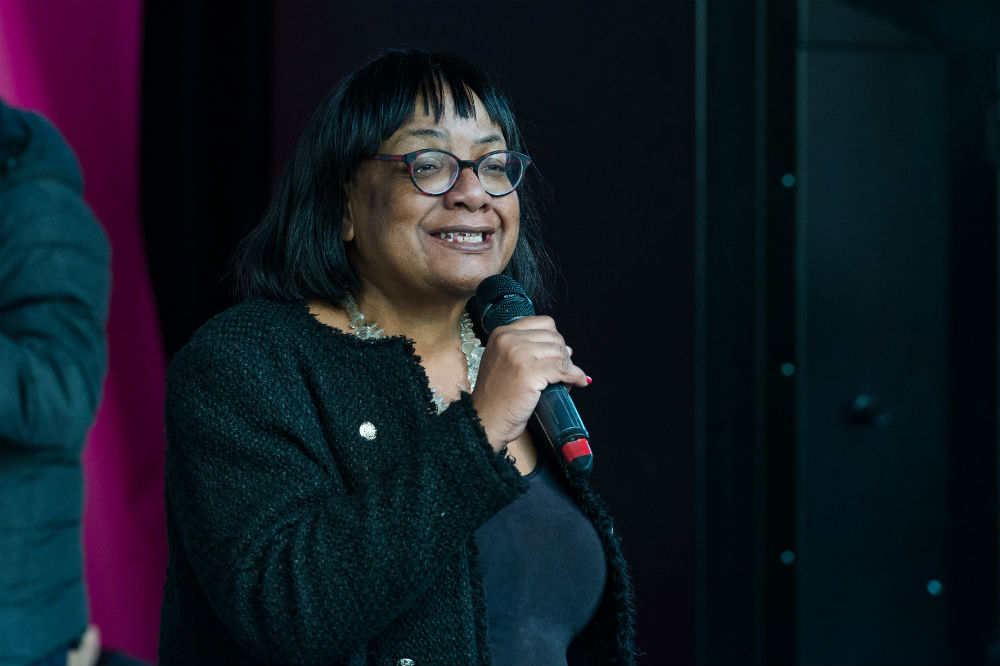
<point>846,433</point>
<point>604,93</point>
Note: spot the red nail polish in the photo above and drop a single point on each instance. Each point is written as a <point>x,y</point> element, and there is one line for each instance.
<point>589,380</point>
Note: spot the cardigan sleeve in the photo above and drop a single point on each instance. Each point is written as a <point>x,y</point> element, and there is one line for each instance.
<point>299,569</point>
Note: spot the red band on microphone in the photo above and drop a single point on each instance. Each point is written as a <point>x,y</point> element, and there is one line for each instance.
<point>573,450</point>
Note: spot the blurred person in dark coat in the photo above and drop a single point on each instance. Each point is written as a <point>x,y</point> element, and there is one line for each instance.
<point>54,289</point>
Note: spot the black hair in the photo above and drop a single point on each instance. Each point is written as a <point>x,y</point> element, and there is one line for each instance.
<point>297,251</point>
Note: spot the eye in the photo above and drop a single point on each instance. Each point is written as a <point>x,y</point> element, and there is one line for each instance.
<point>428,164</point>
<point>426,167</point>
<point>495,164</point>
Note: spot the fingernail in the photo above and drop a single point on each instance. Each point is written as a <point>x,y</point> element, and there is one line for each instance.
<point>589,380</point>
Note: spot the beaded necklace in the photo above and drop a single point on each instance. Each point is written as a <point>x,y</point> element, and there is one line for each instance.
<point>473,350</point>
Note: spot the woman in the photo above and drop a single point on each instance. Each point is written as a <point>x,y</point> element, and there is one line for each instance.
<point>325,504</point>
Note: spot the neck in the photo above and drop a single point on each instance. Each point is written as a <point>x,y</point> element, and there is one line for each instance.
<point>431,326</point>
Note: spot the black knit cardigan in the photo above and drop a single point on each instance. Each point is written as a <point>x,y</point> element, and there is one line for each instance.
<point>319,511</point>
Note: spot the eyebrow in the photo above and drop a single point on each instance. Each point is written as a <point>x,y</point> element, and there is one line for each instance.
<point>440,134</point>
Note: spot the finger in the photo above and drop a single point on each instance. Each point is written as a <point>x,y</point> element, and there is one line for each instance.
<point>537,351</point>
<point>543,322</point>
<point>509,336</point>
<point>560,371</point>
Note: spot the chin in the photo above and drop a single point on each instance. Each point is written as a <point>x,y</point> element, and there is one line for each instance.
<point>466,288</point>
<point>466,285</point>
<point>466,280</point>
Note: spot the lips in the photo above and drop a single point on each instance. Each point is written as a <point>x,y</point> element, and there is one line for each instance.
<point>462,236</point>
<point>467,237</point>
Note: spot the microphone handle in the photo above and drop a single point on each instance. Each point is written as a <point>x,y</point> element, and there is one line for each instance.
<point>557,416</point>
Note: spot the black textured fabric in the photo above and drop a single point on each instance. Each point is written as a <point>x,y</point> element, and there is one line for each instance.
<point>296,538</point>
<point>543,572</point>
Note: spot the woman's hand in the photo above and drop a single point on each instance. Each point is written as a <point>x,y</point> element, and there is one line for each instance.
<point>519,361</point>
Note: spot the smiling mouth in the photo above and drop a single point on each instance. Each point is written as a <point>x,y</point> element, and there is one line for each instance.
<point>463,236</point>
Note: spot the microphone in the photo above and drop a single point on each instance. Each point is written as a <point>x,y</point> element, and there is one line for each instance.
<point>500,300</point>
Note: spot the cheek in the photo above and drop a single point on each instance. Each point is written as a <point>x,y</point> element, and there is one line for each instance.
<point>512,216</point>
<point>389,208</point>
<point>515,207</point>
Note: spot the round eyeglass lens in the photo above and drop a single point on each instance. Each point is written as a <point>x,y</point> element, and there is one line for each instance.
<point>434,172</point>
<point>501,172</point>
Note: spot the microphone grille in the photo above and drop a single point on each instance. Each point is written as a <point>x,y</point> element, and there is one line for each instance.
<point>500,300</point>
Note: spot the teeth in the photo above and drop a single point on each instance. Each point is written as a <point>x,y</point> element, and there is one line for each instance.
<point>462,237</point>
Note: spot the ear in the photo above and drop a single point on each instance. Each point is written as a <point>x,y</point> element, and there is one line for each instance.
<point>347,222</point>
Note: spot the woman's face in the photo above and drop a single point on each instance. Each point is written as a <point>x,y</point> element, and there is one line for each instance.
<point>406,244</point>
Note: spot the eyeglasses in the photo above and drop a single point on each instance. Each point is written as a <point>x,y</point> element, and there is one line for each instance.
<point>435,172</point>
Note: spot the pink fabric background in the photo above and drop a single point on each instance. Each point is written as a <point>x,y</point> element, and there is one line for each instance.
<point>78,63</point>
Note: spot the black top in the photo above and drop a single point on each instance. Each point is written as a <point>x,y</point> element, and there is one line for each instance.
<point>543,572</point>
<point>320,511</point>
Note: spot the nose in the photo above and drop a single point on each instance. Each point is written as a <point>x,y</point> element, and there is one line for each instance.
<point>467,191</point>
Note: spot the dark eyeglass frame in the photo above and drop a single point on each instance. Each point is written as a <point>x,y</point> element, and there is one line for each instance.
<point>409,158</point>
